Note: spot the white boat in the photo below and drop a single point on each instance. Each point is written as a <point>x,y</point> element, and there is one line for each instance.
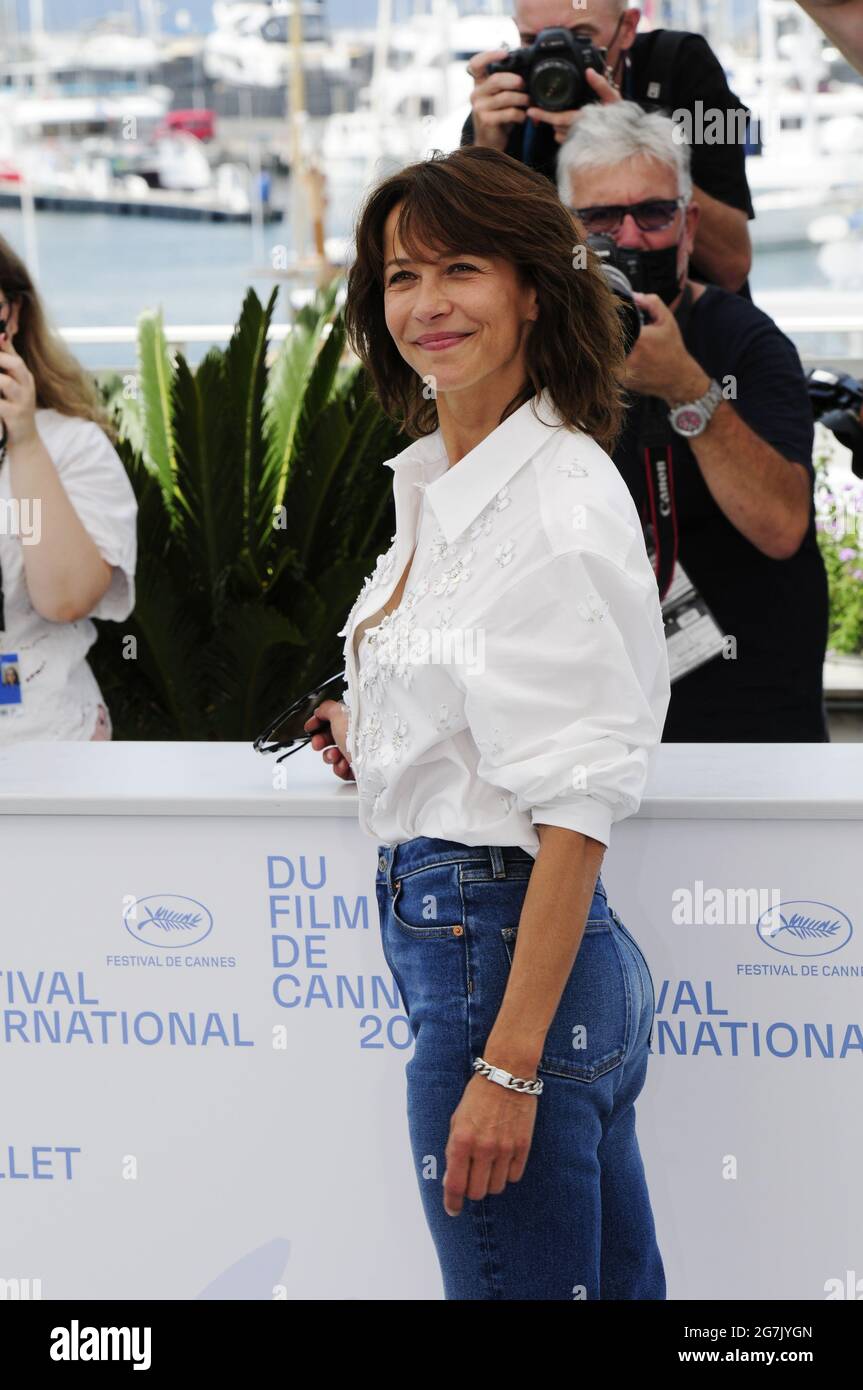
<point>80,119</point>
<point>250,43</point>
<point>811,124</point>
<point>181,162</point>
<point>419,95</point>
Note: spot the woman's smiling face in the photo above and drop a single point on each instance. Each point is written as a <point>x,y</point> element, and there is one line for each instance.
<point>459,318</point>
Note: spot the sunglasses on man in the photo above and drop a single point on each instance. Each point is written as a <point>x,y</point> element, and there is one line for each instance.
<point>651,215</point>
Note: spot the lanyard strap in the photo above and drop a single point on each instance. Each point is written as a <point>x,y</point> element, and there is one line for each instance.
<point>527,142</point>
<point>655,443</point>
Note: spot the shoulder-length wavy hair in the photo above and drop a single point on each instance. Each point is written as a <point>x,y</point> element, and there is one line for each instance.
<point>62,384</point>
<point>482,201</point>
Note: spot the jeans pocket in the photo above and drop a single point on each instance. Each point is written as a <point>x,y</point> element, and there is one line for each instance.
<point>590,1033</point>
<point>427,903</point>
<point>386,949</point>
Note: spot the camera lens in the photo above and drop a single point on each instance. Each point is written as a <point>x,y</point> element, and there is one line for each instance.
<point>554,85</point>
<point>610,255</point>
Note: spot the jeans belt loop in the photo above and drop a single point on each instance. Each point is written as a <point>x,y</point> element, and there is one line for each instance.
<point>389,854</point>
<point>497,865</point>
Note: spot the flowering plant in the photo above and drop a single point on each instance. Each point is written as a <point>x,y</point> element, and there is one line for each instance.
<point>839,525</point>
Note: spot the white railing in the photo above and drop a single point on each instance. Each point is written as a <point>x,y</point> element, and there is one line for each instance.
<point>215,332</point>
<point>848,327</point>
<point>176,334</point>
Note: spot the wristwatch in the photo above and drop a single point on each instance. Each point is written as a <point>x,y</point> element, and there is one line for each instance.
<point>692,417</point>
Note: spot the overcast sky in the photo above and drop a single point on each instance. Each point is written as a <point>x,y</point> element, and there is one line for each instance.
<point>68,14</point>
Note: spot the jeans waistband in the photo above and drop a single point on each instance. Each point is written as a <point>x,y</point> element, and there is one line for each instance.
<point>394,861</point>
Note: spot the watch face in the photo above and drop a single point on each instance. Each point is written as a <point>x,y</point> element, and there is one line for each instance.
<point>689,420</point>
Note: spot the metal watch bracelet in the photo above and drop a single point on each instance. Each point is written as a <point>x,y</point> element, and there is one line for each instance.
<point>691,418</point>
<point>505,1078</point>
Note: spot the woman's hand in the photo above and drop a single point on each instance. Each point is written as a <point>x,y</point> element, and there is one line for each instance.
<point>329,728</point>
<point>17,397</point>
<point>490,1135</point>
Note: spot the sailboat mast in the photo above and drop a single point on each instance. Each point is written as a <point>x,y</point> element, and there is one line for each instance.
<point>150,19</point>
<point>297,109</point>
<point>380,61</point>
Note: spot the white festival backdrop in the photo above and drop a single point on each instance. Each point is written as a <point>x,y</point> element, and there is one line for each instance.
<point>203,1057</point>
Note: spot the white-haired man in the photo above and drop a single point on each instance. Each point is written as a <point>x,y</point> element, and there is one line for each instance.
<point>717,449</point>
<point>658,69</point>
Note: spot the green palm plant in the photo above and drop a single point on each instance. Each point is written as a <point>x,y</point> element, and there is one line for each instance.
<point>261,507</point>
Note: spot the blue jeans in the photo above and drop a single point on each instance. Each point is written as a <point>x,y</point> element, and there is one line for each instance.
<point>578,1225</point>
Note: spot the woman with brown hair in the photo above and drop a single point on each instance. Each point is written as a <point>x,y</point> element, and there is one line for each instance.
<point>67,524</point>
<point>507,684</point>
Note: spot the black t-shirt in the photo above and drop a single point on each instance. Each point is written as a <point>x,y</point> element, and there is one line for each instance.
<point>776,609</point>
<point>697,75</point>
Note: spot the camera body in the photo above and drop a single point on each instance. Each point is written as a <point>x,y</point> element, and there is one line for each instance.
<point>623,274</point>
<point>554,69</point>
<point>837,401</point>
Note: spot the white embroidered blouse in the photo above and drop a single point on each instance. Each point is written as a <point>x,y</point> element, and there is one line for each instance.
<point>523,679</point>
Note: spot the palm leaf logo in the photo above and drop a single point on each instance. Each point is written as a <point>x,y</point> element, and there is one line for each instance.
<point>166,920</point>
<point>806,928</point>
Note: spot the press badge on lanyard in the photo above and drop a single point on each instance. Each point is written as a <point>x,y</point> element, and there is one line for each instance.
<point>692,635</point>
<point>10,680</point>
<point>10,675</point>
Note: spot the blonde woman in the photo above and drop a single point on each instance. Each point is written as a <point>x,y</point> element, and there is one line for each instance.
<point>67,525</point>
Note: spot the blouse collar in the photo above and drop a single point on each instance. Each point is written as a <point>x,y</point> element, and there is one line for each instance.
<point>458,494</point>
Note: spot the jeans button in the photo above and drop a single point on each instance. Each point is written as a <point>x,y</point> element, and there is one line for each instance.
<point>382,863</point>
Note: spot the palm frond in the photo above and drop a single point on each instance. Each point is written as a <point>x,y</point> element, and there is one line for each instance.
<point>291,397</point>
<point>246,377</point>
<point>155,382</point>
<point>236,616</point>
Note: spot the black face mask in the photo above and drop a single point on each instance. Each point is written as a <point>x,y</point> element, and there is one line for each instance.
<point>651,272</point>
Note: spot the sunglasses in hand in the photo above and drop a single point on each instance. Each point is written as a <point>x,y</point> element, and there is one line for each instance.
<point>288,729</point>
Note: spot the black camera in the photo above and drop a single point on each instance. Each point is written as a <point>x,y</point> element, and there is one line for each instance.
<point>836,401</point>
<point>554,69</point>
<point>623,273</point>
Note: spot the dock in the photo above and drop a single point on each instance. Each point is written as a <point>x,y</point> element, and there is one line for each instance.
<point>154,205</point>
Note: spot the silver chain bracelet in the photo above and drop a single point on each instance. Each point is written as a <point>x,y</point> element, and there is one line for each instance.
<point>505,1078</point>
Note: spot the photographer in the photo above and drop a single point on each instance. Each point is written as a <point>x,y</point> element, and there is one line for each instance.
<point>661,69</point>
<point>736,463</point>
